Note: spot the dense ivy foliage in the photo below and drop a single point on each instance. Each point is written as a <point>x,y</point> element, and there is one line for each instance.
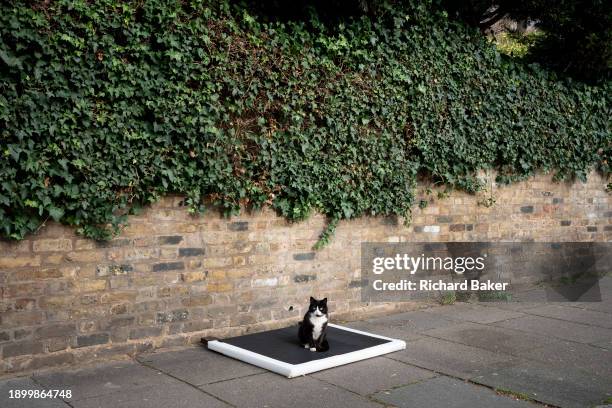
<point>106,105</point>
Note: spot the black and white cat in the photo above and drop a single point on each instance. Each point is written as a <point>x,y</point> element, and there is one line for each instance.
<point>312,331</point>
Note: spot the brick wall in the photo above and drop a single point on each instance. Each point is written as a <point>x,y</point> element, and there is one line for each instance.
<point>171,278</point>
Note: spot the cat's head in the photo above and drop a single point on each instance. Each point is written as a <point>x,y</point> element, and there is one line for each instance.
<point>318,307</point>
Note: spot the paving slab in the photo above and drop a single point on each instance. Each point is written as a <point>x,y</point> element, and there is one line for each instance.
<point>553,327</point>
<point>589,358</point>
<point>104,379</point>
<point>174,394</point>
<point>397,332</point>
<point>496,339</point>
<point>199,366</point>
<point>273,391</point>
<point>367,377</point>
<point>605,306</point>
<point>607,344</point>
<point>450,358</point>
<point>26,383</point>
<point>416,321</point>
<point>573,314</point>
<point>448,393</point>
<point>404,326</point>
<point>557,385</point>
<point>474,313</point>
<point>514,305</point>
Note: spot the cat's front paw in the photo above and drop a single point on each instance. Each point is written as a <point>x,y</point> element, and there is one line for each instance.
<point>313,349</point>
<point>306,346</point>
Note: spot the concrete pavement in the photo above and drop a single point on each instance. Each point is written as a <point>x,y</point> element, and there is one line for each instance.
<point>462,355</point>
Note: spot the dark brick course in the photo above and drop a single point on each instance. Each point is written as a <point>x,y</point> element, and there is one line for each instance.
<point>92,339</point>
<point>304,278</point>
<point>168,266</point>
<point>169,240</point>
<point>238,226</point>
<point>22,348</point>
<point>191,251</point>
<point>307,256</point>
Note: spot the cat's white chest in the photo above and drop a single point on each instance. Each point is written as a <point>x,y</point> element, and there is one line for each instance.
<point>317,323</point>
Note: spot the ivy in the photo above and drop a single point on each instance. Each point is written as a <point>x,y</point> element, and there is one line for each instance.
<point>107,105</point>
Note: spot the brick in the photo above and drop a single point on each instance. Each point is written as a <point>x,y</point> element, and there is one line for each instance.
<point>145,332</point>
<point>591,229</point>
<point>124,321</point>
<point>119,296</point>
<point>25,304</point>
<point>194,276</point>
<point>456,227</point>
<point>81,244</point>
<point>607,228</point>
<point>238,226</point>
<point>170,240</point>
<point>91,285</point>
<point>527,209</point>
<point>173,316</point>
<point>172,291</point>
<point>434,229</point>
<point>358,283</point>
<point>57,330</point>
<point>168,266</point>
<point>197,326</point>
<point>36,274</point>
<point>219,287</point>
<point>56,302</point>
<point>218,262</point>
<point>308,256</point>
<point>557,200</point>
<point>444,219</point>
<point>7,261</point>
<point>113,270</point>
<point>52,245</point>
<point>197,300</point>
<point>217,275</point>
<point>20,334</point>
<point>191,251</point>
<point>304,278</point>
<point>566,223</point>
<point>265,282</point>
<point>115,243</point>
<point>119,309</point>
<point>57,344</point>
<point>238,273</point>
<point>22,348</point>
<point>85,256</point>
<point>22,318</point>
<point>5,336</point>
<point>92,339</point>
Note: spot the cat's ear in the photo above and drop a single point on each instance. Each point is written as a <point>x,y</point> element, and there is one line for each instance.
<point>313,300</point>
<point>324,301</point>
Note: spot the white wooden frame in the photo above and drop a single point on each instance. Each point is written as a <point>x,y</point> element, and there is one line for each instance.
<point>295,370</point>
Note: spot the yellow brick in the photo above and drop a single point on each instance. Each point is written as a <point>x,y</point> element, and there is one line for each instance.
<point>18,262</point>
<point>219,287</point>
<point>52,245</point>
<point>193,276</point>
